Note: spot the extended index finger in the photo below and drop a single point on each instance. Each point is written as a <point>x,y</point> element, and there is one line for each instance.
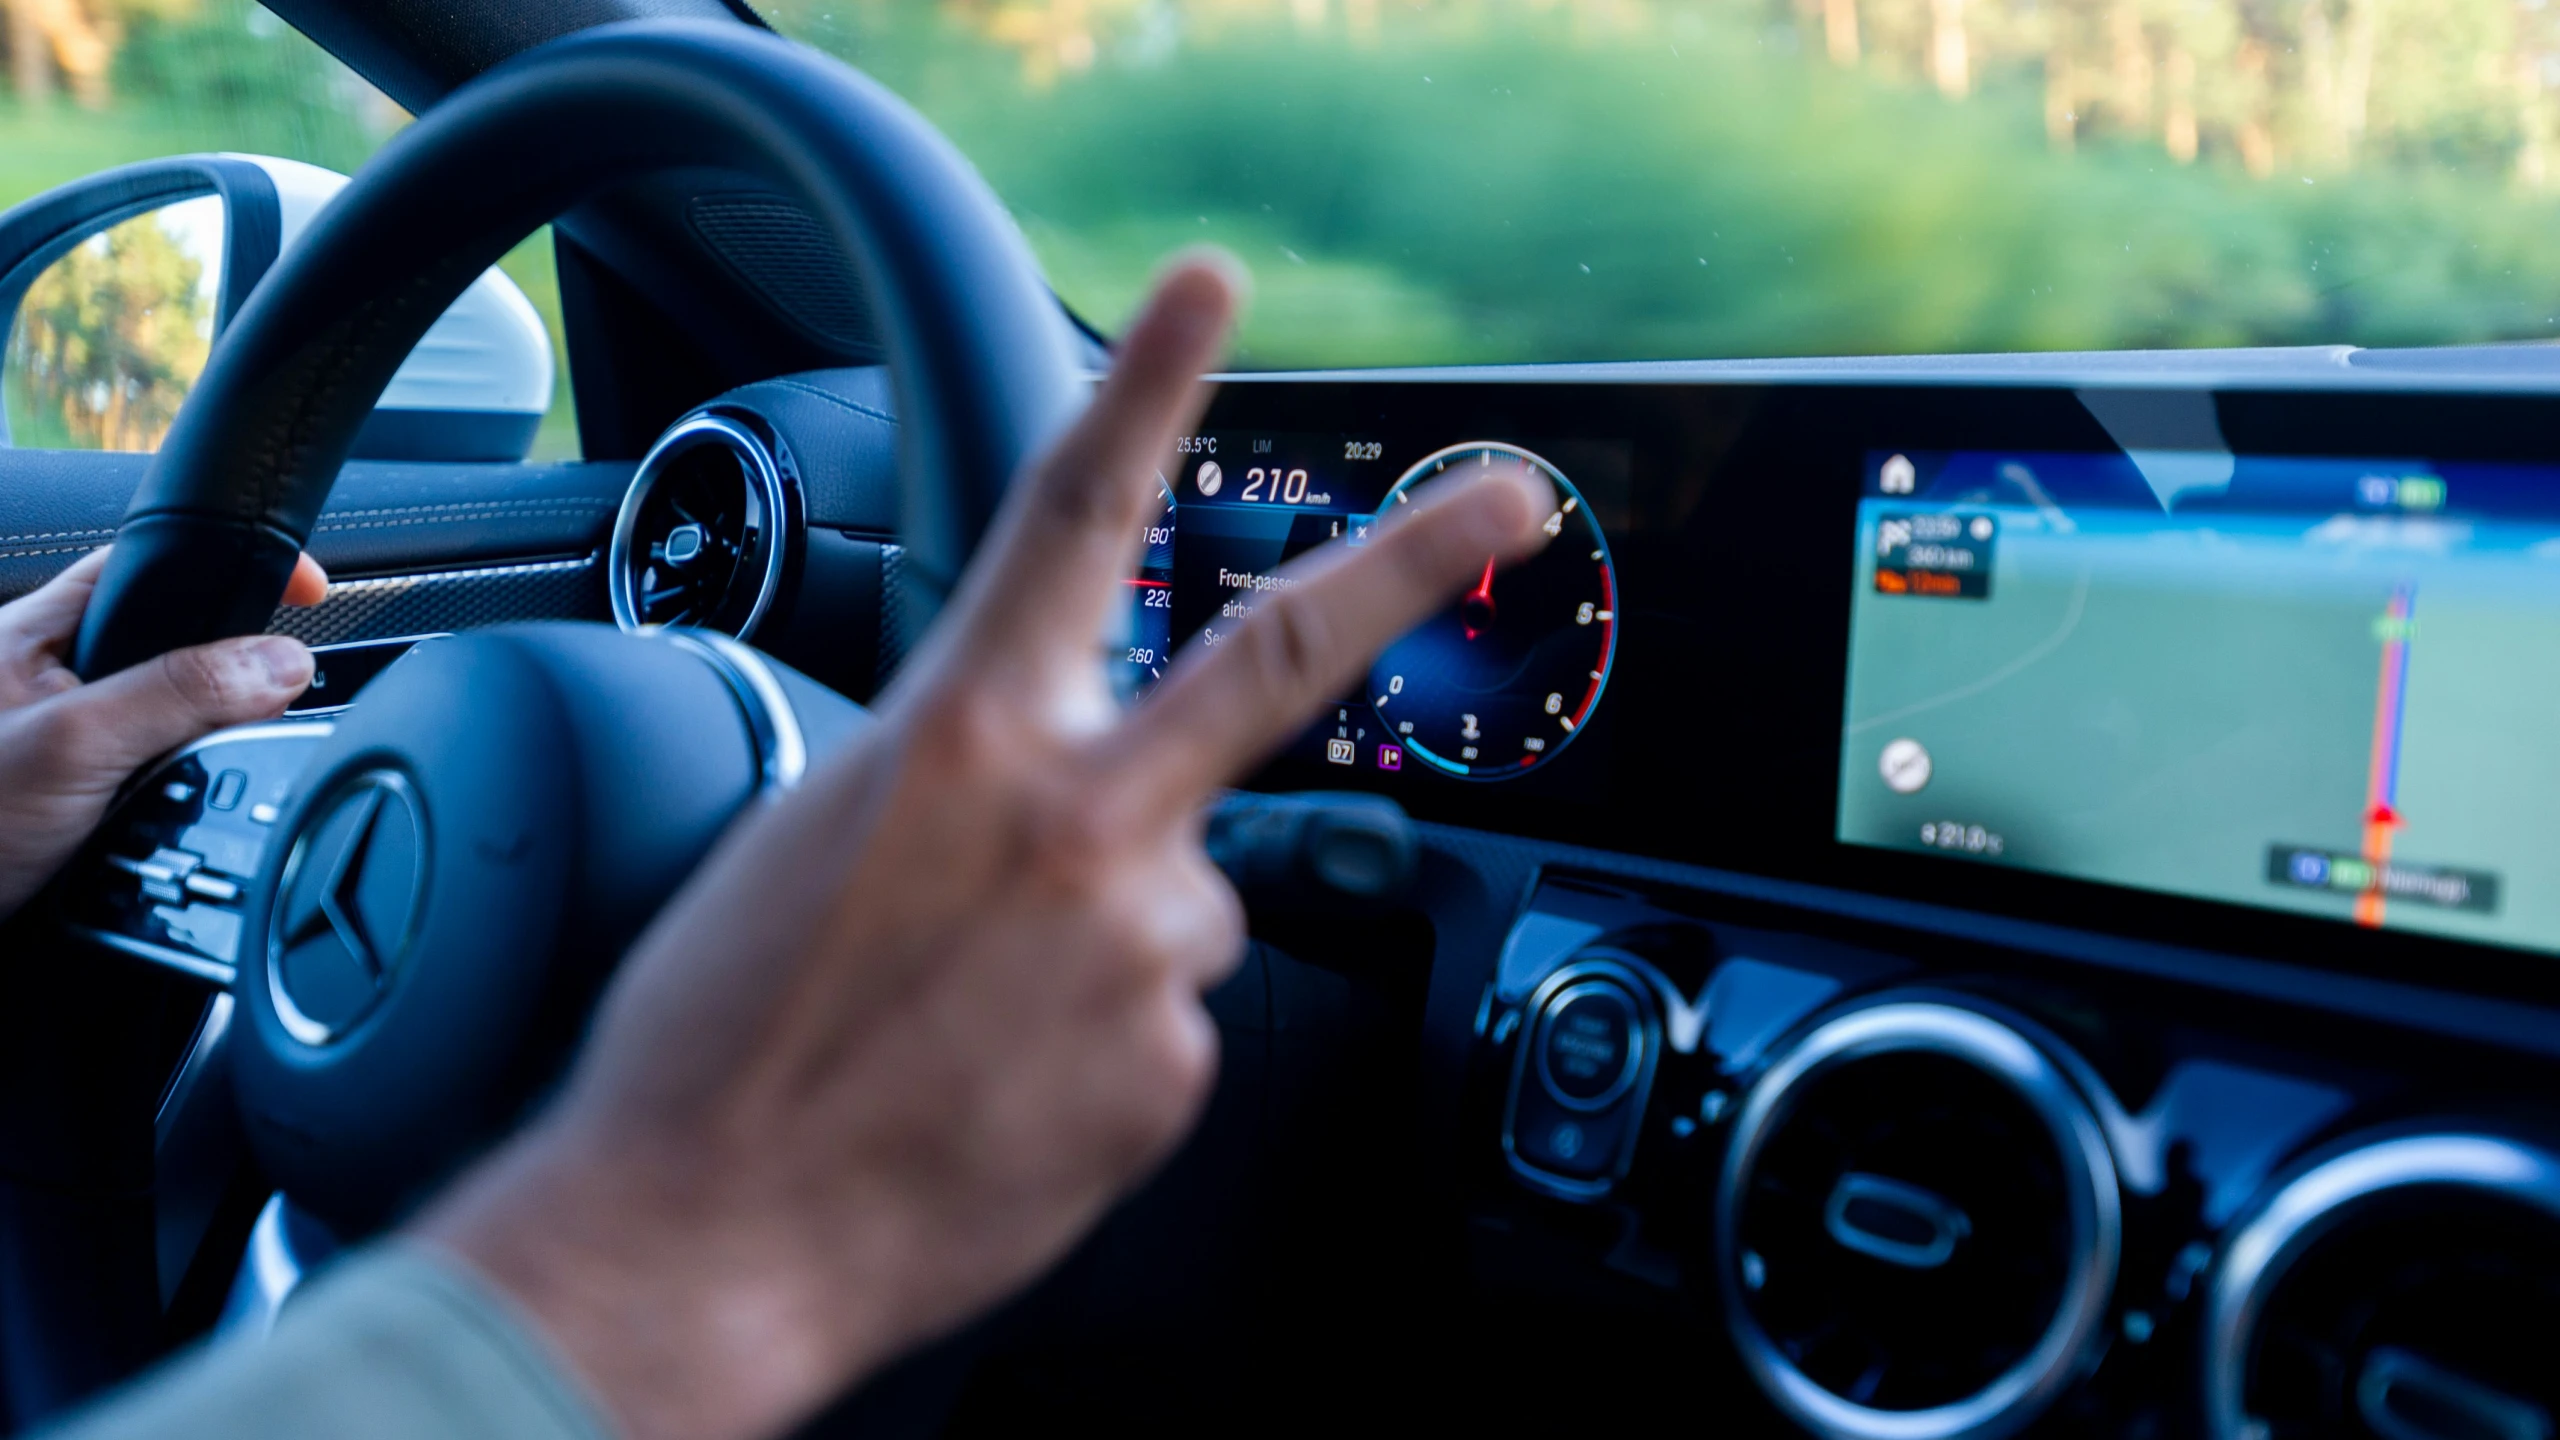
<point>1220,711</point>
<point>1048,575</point>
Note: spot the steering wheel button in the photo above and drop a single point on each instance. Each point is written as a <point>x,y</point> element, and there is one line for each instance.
<point>207,929</point>
<point>227,788</point>
<point>225,847</point>
<point>213,887</point>
<point>175,861</point>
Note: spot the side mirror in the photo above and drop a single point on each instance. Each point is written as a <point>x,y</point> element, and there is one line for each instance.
<point>114,288</point>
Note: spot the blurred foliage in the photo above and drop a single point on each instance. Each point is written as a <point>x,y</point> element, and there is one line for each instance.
<point>182,76</point>
<point>191,75</point>
<point>272,92</point>
<point>1507,180</point>
<point>52,43</point>
<point>1422,181</point>
<point>110,338</point>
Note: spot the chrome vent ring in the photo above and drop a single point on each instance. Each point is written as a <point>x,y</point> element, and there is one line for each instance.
<point>2400,1286</point>
<point>708,530</point>
<point>1916,1157</point>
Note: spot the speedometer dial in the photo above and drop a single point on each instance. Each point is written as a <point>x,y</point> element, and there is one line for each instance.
<point>1137,658</point>
<point>1499,683</point>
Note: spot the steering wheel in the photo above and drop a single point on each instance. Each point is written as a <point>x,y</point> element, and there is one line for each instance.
<point>460,863</point>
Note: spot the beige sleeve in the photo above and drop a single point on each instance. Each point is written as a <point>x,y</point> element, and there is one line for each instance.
<point>396,1342</point>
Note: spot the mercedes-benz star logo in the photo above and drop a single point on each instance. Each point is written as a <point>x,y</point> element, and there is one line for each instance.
<point>346,908</point>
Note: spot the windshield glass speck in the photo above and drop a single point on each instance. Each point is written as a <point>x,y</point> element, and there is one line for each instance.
<point>1435,181</point>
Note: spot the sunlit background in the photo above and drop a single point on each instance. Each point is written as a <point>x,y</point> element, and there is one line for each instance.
<point>1588,179</point>
<point>1498,180</point>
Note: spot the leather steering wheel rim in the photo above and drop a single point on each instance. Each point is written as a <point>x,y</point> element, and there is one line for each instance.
<point>978,349</point>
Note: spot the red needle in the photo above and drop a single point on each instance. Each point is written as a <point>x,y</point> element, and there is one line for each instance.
<point>1479,602</point>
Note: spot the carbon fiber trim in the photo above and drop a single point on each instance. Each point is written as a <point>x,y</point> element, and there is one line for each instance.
<point>893,611</point>
<point>449,600</point>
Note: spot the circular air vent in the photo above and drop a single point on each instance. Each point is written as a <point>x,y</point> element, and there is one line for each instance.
<point>1917,1227</point>
<point>2405,1289</point>
<point>707,530</point>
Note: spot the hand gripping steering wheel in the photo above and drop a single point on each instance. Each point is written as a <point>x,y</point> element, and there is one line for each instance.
<point>506,810</point>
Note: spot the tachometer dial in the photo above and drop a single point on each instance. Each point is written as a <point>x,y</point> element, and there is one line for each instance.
<point>1499,683</point>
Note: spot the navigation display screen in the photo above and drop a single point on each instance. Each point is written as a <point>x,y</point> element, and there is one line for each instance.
<point>2318,685</point>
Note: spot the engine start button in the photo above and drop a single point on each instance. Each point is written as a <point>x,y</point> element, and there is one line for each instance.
<point>1589,1045</point>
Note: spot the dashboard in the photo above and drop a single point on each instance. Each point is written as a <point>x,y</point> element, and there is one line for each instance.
<point>1940,904</point>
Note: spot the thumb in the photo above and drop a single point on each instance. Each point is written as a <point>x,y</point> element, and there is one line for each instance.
<point>157,706</point>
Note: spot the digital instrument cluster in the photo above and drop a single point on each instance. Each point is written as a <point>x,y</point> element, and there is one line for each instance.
<point>1498,684</point>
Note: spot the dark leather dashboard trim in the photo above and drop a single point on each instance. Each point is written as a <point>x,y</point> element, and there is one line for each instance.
<point>383,517</point>
<point>842,430</point>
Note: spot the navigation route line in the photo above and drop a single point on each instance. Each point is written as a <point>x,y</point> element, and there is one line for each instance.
<point>2382,775</point>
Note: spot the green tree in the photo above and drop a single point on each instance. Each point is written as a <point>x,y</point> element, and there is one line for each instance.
<point>111,337</point>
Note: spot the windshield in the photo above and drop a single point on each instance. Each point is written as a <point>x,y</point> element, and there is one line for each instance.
<point>1433,181</point>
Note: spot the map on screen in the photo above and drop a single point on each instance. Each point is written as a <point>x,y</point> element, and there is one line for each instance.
<point>2311,684</point>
